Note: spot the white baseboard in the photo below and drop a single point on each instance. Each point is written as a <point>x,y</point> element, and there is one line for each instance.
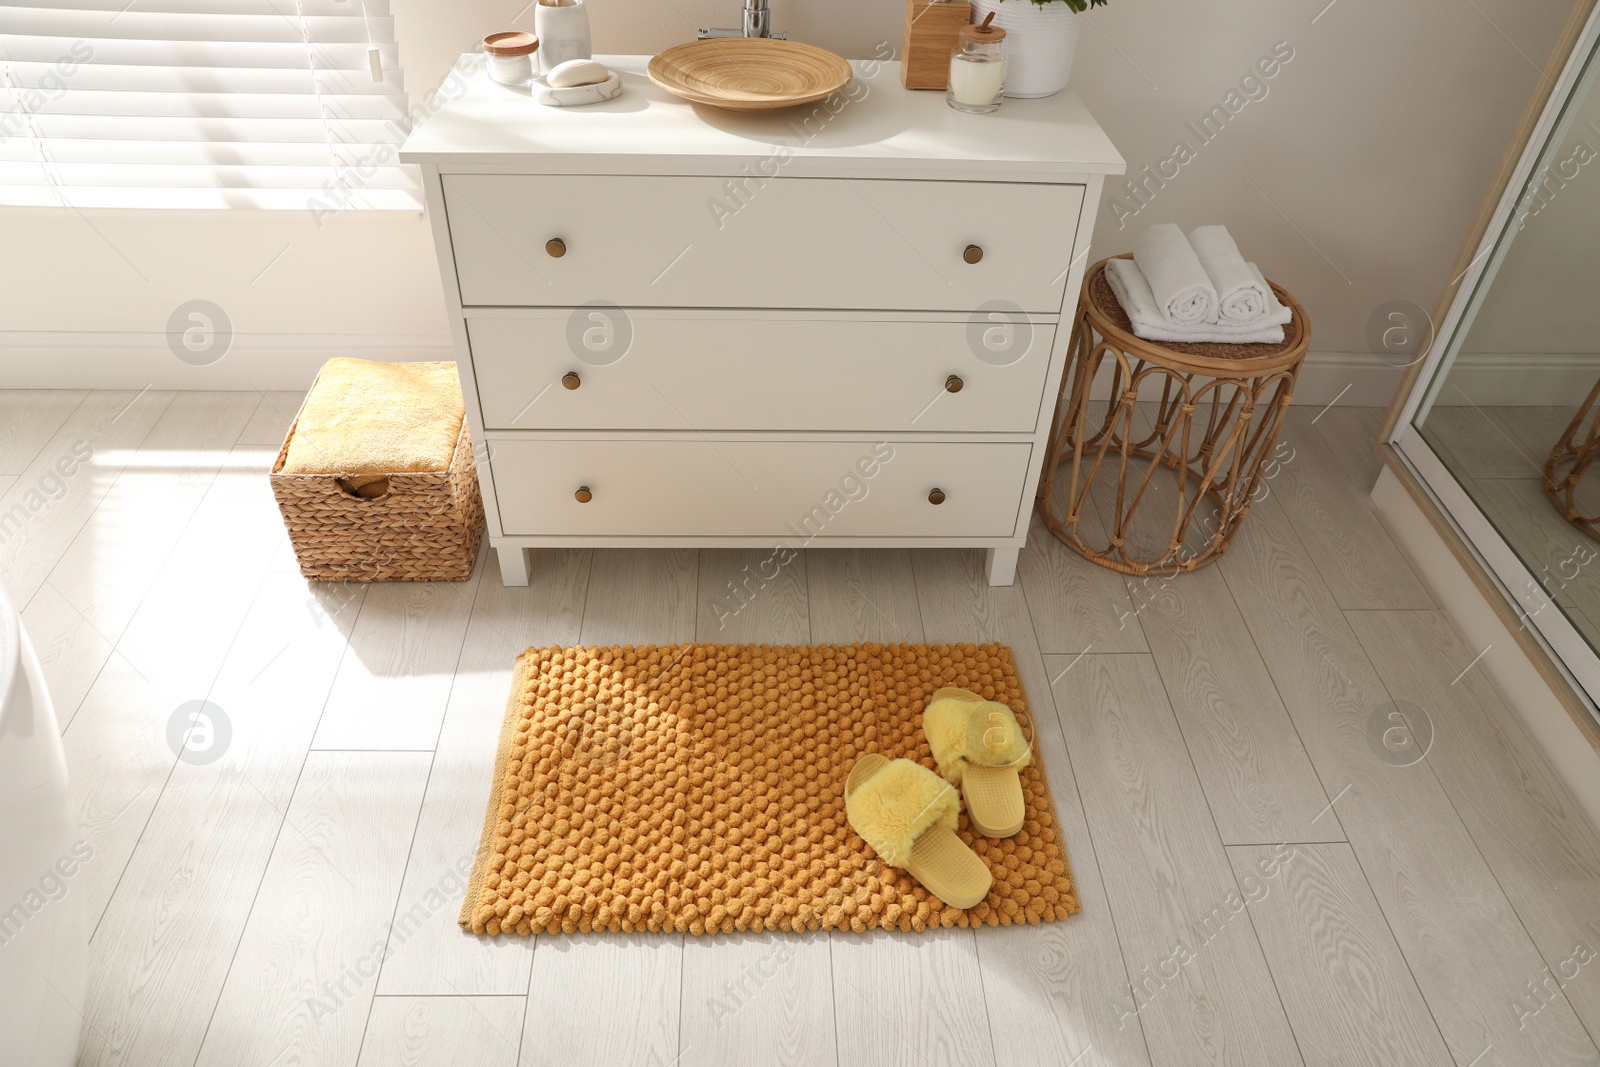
<point>144,360</point>
<point>1543,715</point>
<point>85,360</point>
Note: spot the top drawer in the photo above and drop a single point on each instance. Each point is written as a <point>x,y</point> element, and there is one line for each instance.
<point>745,242</point>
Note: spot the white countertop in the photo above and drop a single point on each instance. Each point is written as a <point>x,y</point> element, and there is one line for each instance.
<point>875,127</point>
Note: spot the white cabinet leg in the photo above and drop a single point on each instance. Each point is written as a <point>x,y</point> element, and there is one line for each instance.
<point>513,565</point>
<point>1003,565</point>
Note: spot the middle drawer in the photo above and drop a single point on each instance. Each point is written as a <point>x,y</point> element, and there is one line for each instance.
<point>605,368</point>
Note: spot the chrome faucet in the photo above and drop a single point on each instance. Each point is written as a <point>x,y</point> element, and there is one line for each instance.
<point>757,23</point>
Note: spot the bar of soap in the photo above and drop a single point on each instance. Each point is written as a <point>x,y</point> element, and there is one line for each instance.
<point>576,72</point>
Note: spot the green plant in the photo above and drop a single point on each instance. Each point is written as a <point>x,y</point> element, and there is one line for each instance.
<point>1080,6</point>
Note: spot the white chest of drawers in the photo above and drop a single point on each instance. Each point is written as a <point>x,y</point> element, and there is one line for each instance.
<point>836,325</point>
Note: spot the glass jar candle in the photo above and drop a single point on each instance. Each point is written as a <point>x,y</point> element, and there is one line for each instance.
<point>510,56</point>
<point>977,69</point>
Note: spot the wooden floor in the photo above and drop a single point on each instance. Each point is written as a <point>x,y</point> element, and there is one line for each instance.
<point>1272,871</point>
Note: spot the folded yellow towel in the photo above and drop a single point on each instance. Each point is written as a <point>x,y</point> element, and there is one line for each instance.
<point>364,417</point>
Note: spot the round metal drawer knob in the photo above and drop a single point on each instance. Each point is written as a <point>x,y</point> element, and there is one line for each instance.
<point>972,254</point>
<point>558,248</point>
<point>583,495</point>
<point>936,496</point>
<point>953,384</point>
<point>571,380</point>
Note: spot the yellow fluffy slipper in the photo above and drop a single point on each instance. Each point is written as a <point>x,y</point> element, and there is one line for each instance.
<point>979,747</point>
<point>908,815</point>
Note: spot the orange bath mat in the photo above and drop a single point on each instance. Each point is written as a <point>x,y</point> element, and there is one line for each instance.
<point>700,788</point>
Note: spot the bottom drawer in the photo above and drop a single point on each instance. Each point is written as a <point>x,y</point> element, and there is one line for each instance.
<point>782,489</point>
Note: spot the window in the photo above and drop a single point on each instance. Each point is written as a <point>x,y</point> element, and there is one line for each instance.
<point>294,104</point>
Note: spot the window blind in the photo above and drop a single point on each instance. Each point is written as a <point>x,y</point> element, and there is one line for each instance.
<point>202,104</point>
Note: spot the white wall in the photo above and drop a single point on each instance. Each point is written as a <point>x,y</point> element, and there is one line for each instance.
<point>1369,154</point>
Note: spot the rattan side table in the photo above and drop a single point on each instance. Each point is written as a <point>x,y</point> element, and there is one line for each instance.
<point>1214,413</point>
<point>1569,461</point>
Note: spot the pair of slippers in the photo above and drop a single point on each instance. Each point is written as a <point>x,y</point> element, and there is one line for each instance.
<point>908,814</point>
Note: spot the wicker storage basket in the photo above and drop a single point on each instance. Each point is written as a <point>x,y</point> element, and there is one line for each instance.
<point>426,528</point>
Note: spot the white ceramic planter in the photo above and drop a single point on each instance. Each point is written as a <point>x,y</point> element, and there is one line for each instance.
<point>1040,42</point>
<point>563,33</point>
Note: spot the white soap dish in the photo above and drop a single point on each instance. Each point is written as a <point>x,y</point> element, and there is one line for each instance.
<point>576,95</point>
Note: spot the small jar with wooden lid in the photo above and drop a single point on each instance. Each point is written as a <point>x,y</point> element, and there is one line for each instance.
<point>978,69</point>
<point>511,56</point>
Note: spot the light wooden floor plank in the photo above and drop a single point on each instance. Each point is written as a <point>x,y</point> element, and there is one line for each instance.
<point>1352,435</point>
<point>1525,822</point>
<point>1460,936</point>
<point>169,656</point>
<point>443,1032</point>
<point>302,979</point>
<point>84,609</point>
<point>641,596</point>
<point>752,596</point>
<point>47,506</point>
<point>393,686</point>
<point>28,419</point>
<point>428,953</point>
<point>119,757</point>
<point>1199,984</point>
<point>1256,775</point>
<point>1343,980</point>
<point>907,1002</point>
<point>1080,605</point>
<point>269,423</point>
<point>758,998</point>
<point>236,531</point>
<point>1339,523</point>
<point>603,998</point>
<point>862,594</point>
<point>1045,986</point>
<point>106,571</point>
<point>162,953</point>
<point>71,651</point>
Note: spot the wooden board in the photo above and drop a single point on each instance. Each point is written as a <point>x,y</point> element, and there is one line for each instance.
<point>162,953</point>
<point>1199,984</point>
<point>1339,523</point>
<point>1342,978</point>
<point>1459,933</point>
<point>1257,779</point>
<point>303,977</point>
<point>428,955</point>
<point>393,686</point>
<point>1524,820</point>
<point>423,1031</point>
<point>862,594</point>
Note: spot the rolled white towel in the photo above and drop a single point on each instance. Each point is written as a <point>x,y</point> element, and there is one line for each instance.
<point>1182,289</point>
<point>1133,293</point>
<point>1243,298</point>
